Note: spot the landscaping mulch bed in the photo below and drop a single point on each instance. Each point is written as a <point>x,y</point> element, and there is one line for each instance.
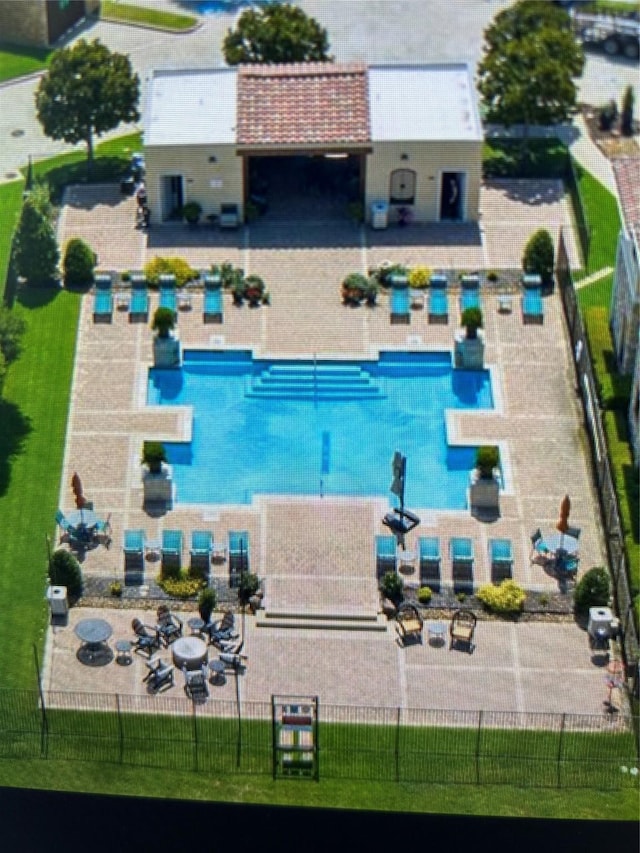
<point>610,142</point>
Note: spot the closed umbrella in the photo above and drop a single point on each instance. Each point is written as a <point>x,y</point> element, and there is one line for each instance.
<point>76,485</point>
<point>563,521</point>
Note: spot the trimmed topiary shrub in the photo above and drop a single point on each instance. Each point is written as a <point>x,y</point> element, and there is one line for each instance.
<point>177,267</point>
<point>78,264</point>
<point>419,278</point>
<point>391,586</point>
<point>471,320</point>
<point>163,321</point>
<point>64,570</point>
<point>592,590</point>
<point>425,594</point>
<point>506,597</point>
<point>207,603</point>
<point>538,256</point>
<point>487,458</point>
<point>249,584</point>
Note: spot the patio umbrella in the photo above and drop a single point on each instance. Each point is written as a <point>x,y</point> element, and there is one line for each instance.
<point>563,521</point>
<point>76,485</point>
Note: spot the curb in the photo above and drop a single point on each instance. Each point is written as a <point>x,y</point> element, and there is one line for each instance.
<point>140,26</point>
<point>25,78</point>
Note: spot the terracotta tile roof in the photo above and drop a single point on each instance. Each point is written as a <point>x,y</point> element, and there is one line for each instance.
<point>304,103</point>
<point>627,172</point>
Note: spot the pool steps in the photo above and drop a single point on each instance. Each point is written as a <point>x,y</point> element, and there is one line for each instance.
<point>325,621</point>
<point>309,382</point>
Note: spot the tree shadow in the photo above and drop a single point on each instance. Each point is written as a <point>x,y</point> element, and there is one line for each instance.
<point>15,428</point>
<point>105,170</point>
<point>36,297</point>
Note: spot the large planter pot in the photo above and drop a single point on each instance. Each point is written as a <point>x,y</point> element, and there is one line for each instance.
<point>167,352</point>
<point>158,486</point>
<point>469,352</point>
<point>484,493</point>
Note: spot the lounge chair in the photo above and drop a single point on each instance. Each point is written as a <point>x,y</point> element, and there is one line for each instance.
<point>238,555</point>
<point>438,299</point>
<point>200,551</point>
<point>171,549</point>
<point>160,675</point>
<point>386,555</point>
<point>195,684</point>
<point>501,558</point>
<point>134,541</point>
<point>139,304</point>
<point>540,554</point>
<point>102,306</point>
<point>168,298</point>
<point>147,638</point>
<point>462,561</point>
<point>462,628</point>
<point>212,298</point>
<point>169,626</point>
<point>430,561</point>
<point>409,624</point>
<point>470,292</point>
<point>532,307</point>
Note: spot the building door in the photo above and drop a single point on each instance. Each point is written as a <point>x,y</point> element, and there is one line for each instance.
<point>452,187</point>
<point>172,197</point>
<point>61,16</point>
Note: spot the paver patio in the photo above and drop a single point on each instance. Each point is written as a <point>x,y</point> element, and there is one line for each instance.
<point>537,419</point>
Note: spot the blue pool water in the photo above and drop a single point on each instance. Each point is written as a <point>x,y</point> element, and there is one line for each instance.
<point>330,428</point>
<point>214,7</point>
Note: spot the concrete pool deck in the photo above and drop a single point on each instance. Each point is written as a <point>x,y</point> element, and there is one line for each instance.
<point>330,542</point>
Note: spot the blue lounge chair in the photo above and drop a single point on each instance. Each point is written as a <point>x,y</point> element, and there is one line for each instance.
<point>532,306</point>
<point>212,312</point>
<point>62,523</point>
<point>386,555</point>
<point>438,299</point>
<point>134,542</point>
<point>201,549</point>
<point>430,561</point>
<point>168,299</point>
<point>171,549</point>
<point>501,558</point>
<point>238,555</point>
<point>462,561</point>
<point>470,292</point>
<point>102,306</point>
<point>139,305</point>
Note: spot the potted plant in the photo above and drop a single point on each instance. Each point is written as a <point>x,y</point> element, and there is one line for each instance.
<point>238,290</point>
<point>472,321</point>
<point>353,288</point>
<point>153,455</point>
<point>371,290</point>
<point>163,322</point>
<point>206,604</point>
<point>484,491</point>
<point>191,212</point>
<point>254,289</point>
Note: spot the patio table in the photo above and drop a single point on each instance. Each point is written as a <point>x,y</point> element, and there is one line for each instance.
<point>94,633</point>
<point>189,652</point>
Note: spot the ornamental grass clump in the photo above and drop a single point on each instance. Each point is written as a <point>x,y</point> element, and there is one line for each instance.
<point>507,597</point>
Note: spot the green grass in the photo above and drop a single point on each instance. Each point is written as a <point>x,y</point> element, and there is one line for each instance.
<point>610,7</point>
<point>124,12</point>
<point>601,210</point>
<point>17,61</point>
<point>10,204</point>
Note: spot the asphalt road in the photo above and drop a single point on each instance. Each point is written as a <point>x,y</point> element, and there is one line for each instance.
<point>369,30</point>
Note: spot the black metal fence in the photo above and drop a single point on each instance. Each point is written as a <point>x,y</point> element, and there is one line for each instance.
<point>602,468</point>
<point>581,221</point>
<point>376,744</point>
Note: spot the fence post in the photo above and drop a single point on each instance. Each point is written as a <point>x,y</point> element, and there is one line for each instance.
<point>560,740</point>
<point>120,728</point>
<point>44,726</point>
<point>398,712</point>
<point>195,737</point>
<point>478,747</point>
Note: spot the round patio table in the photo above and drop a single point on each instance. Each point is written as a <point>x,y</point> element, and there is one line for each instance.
<point>561,541</point>
<point>82,518</point>
<point>189,652</point>
<point>94,633</point>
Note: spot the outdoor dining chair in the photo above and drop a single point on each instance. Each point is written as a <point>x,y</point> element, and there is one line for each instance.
<point>195,684</point>
<point>462,628</point>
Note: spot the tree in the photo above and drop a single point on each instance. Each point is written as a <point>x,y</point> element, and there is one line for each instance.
<point>88,91</point>
<point>277,33</point>
<point>531,59</point>
<point>627,112</point>
<point>538,256</point>
<point>78,264</point>
<point>12,328</point>
<point>36,253</point>
<point>64,570</point>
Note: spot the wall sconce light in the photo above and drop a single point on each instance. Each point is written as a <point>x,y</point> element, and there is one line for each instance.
<point>404,156</point>
<point>213,159</point>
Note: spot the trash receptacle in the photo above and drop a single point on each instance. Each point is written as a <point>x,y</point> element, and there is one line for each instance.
<point>379,215</point>
<point>57,597</point>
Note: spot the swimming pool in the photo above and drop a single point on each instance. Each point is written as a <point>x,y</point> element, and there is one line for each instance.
<point>319,428</point>
<point>214,7</point>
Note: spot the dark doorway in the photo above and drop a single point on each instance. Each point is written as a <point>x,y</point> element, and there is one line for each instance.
<point>451,196</point>
<point>172,197</point>
<point>305,186</point>
<point>61,16</point>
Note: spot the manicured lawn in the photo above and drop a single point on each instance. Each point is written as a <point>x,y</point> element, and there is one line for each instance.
<point>17,61</point>
<point>602,214</point>
<point>129,13</point>
<point>10,203</point>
